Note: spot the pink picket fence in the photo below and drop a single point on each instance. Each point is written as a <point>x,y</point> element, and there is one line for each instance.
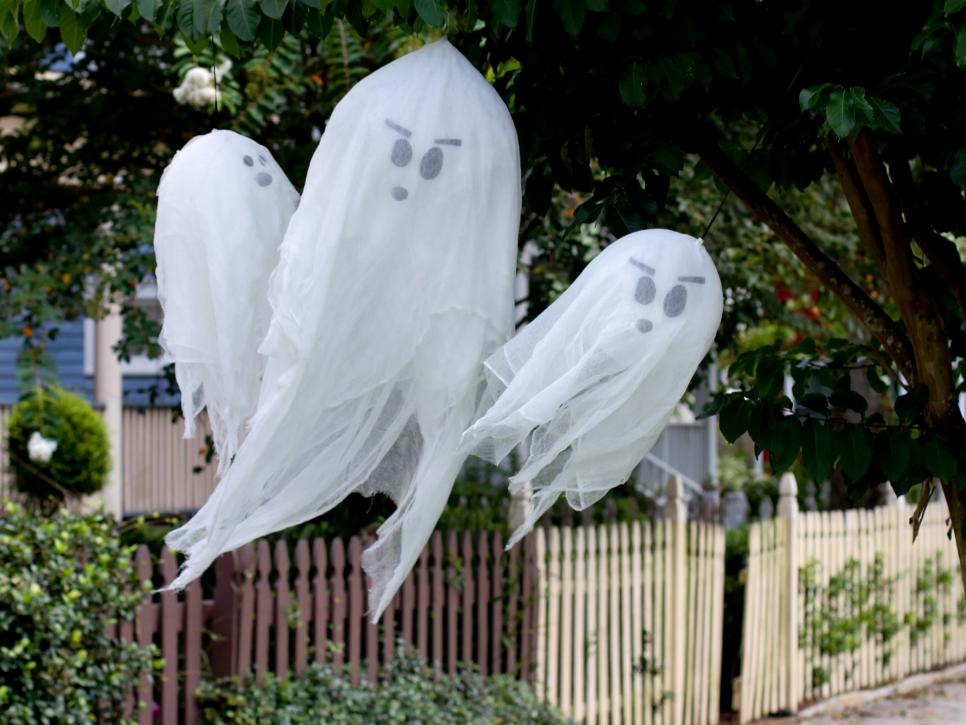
<point>277,608</point>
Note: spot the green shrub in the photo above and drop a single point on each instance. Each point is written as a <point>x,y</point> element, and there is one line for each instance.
<point>81,461</point>
<point>63,579</point>
<point>409,691</point>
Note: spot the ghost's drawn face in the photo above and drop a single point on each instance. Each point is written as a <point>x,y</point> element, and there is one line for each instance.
<point>258,163</point>
<point>402,155</point>
<point>675,300</point>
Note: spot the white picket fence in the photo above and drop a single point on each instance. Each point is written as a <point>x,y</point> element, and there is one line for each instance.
<point>840,601</point>
<point>630,617</point>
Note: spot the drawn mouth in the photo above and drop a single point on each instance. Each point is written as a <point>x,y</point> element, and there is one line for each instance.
<point>399,193</point>
<point>645,325</point>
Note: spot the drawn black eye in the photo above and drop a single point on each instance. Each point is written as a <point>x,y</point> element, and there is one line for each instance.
<point>675,300</point>
<point>646,290</point>
<point>402,152</point>
<point>431,163</point>
<point>249,161</point>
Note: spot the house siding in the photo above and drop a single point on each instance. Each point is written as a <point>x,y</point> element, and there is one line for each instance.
<point>67,354</point>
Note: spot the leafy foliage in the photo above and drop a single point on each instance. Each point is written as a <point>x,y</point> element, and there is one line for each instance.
<point>63,580</point>
<point>81,461</point>
<point>409,690</point>
<point>829,421</point>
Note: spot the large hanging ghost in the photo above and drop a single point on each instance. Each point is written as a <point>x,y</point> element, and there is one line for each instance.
<point>223,206</point>
<point>395,282</point>
<point>590,384</point>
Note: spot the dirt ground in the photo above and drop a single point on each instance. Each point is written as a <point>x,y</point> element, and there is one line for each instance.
<point>943,702</point>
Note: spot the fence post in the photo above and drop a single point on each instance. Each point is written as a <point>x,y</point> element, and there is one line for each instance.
<point>788,512</point>
<point>676,512</point>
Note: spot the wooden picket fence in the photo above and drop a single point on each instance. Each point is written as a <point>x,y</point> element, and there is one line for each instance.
<point>630,617</point>
<point>276,608</point>
<point>839,601</point>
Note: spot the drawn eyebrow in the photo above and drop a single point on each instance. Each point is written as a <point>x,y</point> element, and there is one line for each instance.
<point>641,265</point>
<point>696,280</point>
<point>449,141</point>
<point>399,129</point>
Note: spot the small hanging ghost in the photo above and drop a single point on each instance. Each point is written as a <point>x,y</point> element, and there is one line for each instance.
<point>223,206</point>
<point>395,282</point>
<point>589,385</point>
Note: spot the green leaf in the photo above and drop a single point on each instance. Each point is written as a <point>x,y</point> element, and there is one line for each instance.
<point>769,377</point>
<point>885,115</point>
<point>892,453</point>
<point>814,401</point>
<point>631,86</point>
<point>854,450</point>
<point>940,457</point>
<point>271,32</point>
<point>506,11</point>
<point>243,18</point>
<point>713,406</point>
<point>273,8</point>
<point>71,31</point>
<point>32,21</point>
<point>848,400</point>
<point>812,98</point>
<point>840,113</point>
<point>817,450</point>
<point>207,16</point>
<point>910,405</point>
<point>875,380</point>
<point>953,6</point>
<point>148,9</point>
<point>734,418</point>
<point>804,348</point>
<point>117,6</point>
<point>571,14</point>
<point>9,27</point>
<point>431,12</point>
<point>960,48</point>
<point>957,168</point>
<point>229,42</point>
<point>786,442</point>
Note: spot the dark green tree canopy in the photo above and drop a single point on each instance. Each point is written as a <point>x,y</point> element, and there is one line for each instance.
<point>624,110</point>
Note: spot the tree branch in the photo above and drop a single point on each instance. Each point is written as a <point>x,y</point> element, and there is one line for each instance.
<point>858,201</point>
<point>941,252</point>
<point>885,330</point>
<point>919,305</point>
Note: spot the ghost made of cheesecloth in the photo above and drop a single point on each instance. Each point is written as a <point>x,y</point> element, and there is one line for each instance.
<point>223,206</point>
<point>591,383</point>
<point>395,283</point>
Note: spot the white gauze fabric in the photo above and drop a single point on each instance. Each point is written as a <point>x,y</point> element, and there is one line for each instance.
<point>223,206</point>
<point>589,385</point>
<point>395,283</point>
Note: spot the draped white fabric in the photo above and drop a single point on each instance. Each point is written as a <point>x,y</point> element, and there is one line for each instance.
<point>223,206</point>
<point>589,385</point>
<point>395,282</point>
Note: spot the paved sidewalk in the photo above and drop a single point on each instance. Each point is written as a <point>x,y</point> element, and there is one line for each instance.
<point>940,702</point>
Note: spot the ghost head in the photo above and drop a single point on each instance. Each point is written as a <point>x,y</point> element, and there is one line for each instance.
<point>590,384</point>
<point>395,282</point>
<point>223,206</point>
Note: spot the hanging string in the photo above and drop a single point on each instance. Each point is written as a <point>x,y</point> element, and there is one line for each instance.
<point>214,75</point>
<point>758,140</point>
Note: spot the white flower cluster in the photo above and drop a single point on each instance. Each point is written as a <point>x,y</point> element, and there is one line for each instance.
<point>40,449</point>
<point>198,87</point>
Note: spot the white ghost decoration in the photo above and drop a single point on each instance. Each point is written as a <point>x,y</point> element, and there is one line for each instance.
<point>223,206</point>
<point>395,283</point>
<point>590,384</point>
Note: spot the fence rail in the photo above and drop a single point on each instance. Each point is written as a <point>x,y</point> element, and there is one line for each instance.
<point>843,600</point>
<point>630,619</point>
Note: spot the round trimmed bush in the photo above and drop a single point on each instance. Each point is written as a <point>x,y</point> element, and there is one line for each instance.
<point>81,461</point>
